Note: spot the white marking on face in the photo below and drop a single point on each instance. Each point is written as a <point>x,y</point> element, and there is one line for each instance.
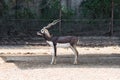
<point>63,45</point>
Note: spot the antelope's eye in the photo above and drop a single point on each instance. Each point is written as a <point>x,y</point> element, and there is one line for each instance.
<point>42,31</point>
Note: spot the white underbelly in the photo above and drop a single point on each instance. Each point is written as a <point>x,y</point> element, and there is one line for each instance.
<point>64,45</point>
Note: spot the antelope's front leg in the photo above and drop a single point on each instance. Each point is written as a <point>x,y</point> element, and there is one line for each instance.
<point>53,55</point>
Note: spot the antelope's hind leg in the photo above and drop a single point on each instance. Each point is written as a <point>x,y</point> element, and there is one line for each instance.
<point>76,53</point>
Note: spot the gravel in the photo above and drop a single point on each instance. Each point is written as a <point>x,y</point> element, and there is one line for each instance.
<point>33,63</point>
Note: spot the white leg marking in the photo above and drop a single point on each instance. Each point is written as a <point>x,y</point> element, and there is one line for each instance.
<point>53,61</point>
<point>76,54</point>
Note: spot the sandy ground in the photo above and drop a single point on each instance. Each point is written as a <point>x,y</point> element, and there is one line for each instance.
<point>33,63</point>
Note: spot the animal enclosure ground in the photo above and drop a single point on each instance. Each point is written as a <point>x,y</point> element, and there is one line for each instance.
<point>23,50</point>
<point>33,63</point>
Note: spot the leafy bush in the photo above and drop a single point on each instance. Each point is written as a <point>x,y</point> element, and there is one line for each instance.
<point>100,9</point>
<point>67,13</point>
<point>96,8</point>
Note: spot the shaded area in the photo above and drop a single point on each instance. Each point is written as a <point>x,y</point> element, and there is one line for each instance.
<point>66,61</point>
<point>90,41</point>
<point>99,41</point>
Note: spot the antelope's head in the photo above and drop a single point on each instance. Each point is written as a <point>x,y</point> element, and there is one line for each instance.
<point>44,31</point>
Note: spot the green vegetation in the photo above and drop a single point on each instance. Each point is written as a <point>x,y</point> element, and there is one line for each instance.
<point>100,9</point>
<point>67,13</point>
<point>25,17</point>
<point>95,9</point>
<point>51,10</point>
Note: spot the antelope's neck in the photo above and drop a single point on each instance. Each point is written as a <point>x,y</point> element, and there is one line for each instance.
<point>47,38</point>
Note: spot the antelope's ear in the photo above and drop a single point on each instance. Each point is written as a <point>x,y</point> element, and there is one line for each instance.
<point>38,33</point>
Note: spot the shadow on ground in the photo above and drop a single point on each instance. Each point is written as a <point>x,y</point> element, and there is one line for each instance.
<point>66,61</point>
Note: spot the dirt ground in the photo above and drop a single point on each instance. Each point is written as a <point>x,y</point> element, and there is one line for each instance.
<point>33,63</point>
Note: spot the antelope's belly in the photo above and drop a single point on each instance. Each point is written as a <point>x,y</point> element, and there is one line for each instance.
<point>59,44</point>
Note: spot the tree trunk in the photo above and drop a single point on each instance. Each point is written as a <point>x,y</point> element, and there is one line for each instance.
<point>112,18</point>
<point>60,16</point>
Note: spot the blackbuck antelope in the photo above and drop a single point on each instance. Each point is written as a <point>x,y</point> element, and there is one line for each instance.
<point>54,42</point>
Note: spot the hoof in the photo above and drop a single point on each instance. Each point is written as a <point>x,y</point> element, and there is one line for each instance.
<point>75,63</point>
<point>53,63</point>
